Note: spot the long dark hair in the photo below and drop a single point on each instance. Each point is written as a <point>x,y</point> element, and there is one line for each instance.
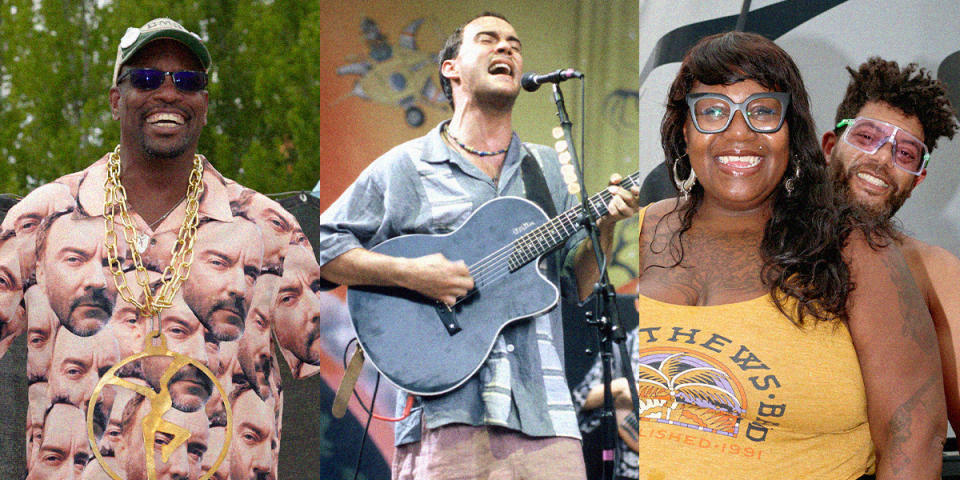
<point>803,239</point>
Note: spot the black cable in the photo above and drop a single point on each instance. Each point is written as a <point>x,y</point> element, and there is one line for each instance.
<point>373,401</point>
<point>583,129</point>
<point>363,439</point>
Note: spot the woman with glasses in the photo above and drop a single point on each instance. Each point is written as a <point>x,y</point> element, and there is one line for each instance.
<point>778,337</point>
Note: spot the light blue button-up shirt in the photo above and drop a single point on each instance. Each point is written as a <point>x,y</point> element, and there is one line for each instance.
<point>423,186</point>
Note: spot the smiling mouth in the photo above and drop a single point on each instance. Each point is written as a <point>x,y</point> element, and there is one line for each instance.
<point>872,180</point>
<point>737,161</point>
<point>166,119</point>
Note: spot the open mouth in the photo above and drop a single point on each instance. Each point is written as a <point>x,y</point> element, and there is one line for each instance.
<point>500,68</point>
<point>873,180</point>
<point>166,119</point>
<point>737,161</point>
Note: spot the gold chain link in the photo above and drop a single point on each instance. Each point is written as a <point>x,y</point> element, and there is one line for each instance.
<point>174,274</point>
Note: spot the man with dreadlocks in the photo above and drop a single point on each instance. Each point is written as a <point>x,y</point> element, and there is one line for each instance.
<point>908,109</point>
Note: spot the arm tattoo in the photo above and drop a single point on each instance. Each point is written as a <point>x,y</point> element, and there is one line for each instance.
<point>917,324</point>
<point>899,425</point>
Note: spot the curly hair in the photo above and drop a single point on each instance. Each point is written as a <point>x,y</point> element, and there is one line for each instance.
<point>804,237</point>
<point>911,90</point>
<point>451,48</point>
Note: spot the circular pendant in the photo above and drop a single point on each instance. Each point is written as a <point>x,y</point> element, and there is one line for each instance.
<point>159,403</point>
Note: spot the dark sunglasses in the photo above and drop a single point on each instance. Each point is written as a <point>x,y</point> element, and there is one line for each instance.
<point>150,79</point>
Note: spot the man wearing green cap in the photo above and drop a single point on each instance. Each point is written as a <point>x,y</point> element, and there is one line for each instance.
<point>162,125</point>
<point>152,187</point>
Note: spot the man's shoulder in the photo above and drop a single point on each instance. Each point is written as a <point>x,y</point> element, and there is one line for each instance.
<point>44,200</point>
<point>69,182</point>
<point>400,161</point>
<point>931,258</point>
<point>57,195</point>
<point>413,150</point>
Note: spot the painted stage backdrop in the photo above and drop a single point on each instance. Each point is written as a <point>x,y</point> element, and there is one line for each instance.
<point>303,93</point>
<point>823,37</point>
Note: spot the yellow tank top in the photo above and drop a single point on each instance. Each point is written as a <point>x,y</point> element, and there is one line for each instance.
<point>739,391</point>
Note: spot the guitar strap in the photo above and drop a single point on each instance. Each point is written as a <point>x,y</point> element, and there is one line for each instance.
<point>535,184</point>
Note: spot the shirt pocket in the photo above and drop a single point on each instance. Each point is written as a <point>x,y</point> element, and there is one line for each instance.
<point>450,205</point>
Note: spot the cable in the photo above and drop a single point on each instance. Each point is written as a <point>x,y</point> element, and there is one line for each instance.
<point>370,415</point>
<point>407,409</point>
<point>284,194</point>
<point>583,129</point>
<point>366,428</point>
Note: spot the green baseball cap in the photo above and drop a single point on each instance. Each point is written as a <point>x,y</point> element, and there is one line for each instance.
<point>136,38</point>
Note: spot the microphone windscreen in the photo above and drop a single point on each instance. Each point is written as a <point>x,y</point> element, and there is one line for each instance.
<point>528,82</point>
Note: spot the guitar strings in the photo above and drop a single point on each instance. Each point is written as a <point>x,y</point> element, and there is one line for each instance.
<point>499,269</point>
<point>523,244</point>
<point>550,227</point>
<point>481,270</point>
<point>490,269</point>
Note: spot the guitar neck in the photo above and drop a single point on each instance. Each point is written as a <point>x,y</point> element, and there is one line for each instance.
<point>550,235</point>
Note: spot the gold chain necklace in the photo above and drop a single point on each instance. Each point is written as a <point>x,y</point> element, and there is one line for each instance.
<point>174,274</point>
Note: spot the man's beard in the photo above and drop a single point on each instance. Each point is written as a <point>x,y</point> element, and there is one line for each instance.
<point>499,101</point>
<point>196,396</point>
<point>97,298</point>
<point>235,305</point>
<point>310,356</point>
<point>882,212</point>
<point>153,150</point>
<point>257,371</point>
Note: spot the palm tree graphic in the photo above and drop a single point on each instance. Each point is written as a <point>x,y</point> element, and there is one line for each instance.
<point>678,392</point>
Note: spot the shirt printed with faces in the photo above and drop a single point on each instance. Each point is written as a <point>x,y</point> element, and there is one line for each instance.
<point>252,274</point>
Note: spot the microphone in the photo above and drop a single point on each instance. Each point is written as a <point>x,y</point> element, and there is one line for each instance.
<point>531,81</point>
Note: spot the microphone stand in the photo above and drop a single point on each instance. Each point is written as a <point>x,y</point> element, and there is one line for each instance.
<point>605,316</point>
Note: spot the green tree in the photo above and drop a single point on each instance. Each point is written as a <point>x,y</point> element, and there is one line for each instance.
<point>56,63</point>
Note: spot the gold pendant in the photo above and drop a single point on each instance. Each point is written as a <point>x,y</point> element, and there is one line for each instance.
<point>160,403</point>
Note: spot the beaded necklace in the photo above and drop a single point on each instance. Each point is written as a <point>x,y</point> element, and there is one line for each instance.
<point>480,153</point>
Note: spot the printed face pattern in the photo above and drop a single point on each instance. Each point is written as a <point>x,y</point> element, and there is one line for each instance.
<point>79,327</point>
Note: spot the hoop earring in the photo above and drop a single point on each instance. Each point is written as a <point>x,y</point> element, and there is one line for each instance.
<point>686,185</point>
<point>791,184</point>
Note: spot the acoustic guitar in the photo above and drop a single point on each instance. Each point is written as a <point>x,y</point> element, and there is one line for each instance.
<point>426,348</point>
